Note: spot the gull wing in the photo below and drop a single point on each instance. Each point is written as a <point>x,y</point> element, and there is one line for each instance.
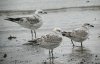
<point>51,38</point>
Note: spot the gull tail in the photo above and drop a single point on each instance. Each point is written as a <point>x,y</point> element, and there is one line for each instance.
<point>13,19</point>
<point>67,34</point>
<point>32,42</point>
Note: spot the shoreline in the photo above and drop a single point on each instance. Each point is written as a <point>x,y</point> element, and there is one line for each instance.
<point>63,9</point>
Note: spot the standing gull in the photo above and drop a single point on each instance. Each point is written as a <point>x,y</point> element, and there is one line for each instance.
<point>49,41</point>
<point>79,34</point>
<point>33,22</point>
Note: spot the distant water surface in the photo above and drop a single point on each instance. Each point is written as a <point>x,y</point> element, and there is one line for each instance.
<point>44,4</point>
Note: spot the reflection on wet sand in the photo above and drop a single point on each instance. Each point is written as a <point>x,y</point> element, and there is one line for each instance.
<point>81,55</point>
<point>51,60</point>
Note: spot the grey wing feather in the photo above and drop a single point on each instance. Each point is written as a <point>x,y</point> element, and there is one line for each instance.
<point>31,20</point>
<point>79,33</point>
<point>52,38</point>
<point>75,33</point>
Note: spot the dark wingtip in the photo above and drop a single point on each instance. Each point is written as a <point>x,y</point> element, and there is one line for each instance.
<point>31,42</point>
<point>12,19</point>
<point>63,33</point>
<point>67,34</point>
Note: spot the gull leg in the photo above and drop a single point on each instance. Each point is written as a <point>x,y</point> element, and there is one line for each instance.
<point>81,47</point>
<point>72,42</point>
<point>52,57</point>
<point>49,54</point>
<point>35,33</point>
<point>32,34</point>
<point>81,44</point>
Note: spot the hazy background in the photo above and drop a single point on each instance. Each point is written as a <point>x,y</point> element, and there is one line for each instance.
<point>44,4</point>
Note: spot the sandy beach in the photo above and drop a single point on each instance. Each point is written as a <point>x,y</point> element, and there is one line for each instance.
<point>17,53</point>
<point>12,51</point>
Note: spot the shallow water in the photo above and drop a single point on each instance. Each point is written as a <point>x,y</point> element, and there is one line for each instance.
<point>44,4</point>
<point>68,20</point>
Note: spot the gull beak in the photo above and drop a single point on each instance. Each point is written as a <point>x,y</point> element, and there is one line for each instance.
<point>45,12</point>
<point>91,25</point>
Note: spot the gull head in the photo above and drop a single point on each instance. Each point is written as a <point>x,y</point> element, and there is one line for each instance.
<point>88,25</point>
<point>40,12</point>
<point>57,30</point>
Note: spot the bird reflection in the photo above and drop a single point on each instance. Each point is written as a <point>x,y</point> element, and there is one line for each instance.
<point>80,55</point>
<point>51,59</point>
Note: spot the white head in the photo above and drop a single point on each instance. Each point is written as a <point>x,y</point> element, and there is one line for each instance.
<point>57,30</point>
<point>40,12</point>
<point>87,25</point>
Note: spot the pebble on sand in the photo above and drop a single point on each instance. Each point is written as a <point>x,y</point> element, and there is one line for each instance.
<point>5,55</point>
<point>11,37</point>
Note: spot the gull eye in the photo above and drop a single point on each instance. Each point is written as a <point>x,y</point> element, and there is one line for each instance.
<point>91,25</point>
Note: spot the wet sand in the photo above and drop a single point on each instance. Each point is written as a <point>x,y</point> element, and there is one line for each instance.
<point>17,53</point>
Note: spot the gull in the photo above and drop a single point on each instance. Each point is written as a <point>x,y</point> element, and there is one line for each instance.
<point>49,41</point>
<point>79,34</point>
<point>33,22</point>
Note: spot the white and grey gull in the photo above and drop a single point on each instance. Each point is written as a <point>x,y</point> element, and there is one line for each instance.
<point>49,41</point>
<point>32,22</point>
<point>79,34</point>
